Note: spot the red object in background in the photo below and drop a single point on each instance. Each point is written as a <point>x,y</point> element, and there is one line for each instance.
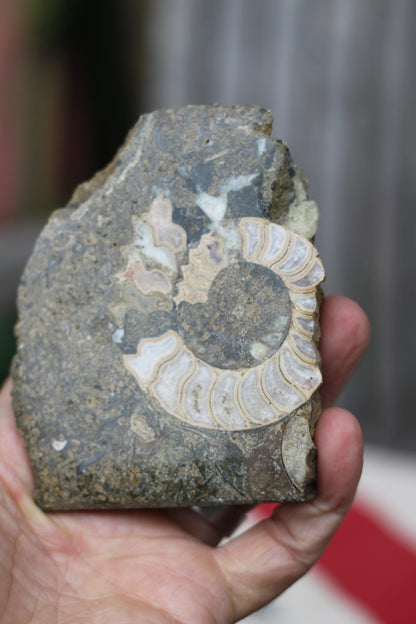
<point>369,561</point>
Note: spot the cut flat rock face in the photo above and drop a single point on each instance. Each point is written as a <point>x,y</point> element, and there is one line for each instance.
<point>168,324</point>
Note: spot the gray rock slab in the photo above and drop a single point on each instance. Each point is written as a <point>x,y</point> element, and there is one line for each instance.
<point>168,324</point>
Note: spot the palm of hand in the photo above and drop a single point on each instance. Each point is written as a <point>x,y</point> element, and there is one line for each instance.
<point>142,566</point>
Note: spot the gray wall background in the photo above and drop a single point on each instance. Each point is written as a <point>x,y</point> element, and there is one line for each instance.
<point>339,78</point>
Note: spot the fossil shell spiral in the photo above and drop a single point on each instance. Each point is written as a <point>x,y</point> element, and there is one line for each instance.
<point>281,372</point>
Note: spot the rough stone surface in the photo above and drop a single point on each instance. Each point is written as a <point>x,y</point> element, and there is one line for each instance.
<point>168,322</point>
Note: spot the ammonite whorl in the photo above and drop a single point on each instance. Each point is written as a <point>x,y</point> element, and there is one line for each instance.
<point>244,352</point>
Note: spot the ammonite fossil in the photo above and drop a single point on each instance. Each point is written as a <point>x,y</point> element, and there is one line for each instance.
<point>168,323</point>
<point>243,354</point>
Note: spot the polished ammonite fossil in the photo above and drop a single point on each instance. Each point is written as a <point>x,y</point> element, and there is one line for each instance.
<point>168,323</point>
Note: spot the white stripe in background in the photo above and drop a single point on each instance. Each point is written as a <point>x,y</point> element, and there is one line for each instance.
<point>388,488</point>
<point>313,600</point>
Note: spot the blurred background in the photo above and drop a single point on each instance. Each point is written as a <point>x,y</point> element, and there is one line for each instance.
<point>339,78</point>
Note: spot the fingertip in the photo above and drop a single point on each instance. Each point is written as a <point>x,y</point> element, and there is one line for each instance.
<point>345,335</point>
<point>344,316</point>
<point>339,440</point>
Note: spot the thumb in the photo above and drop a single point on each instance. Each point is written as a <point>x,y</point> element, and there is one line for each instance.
<point>262,562</point>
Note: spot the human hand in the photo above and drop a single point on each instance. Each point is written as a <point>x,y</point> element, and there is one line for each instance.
<point>144,566</point>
